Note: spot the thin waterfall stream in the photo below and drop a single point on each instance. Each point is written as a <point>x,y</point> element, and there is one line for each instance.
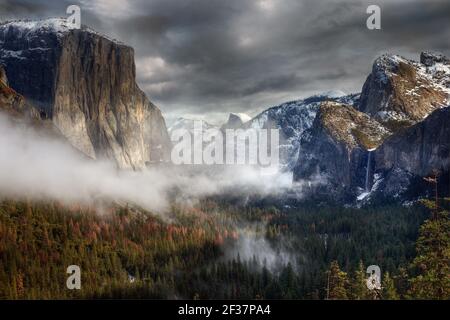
<point>367,184</point>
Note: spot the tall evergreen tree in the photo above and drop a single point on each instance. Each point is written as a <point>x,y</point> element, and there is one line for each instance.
<point>432,263</point>
<point>337,283</point>
<point>358,286</point>
<point>389,292</point>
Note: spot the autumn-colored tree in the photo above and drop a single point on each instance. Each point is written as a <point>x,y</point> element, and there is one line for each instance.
<point>337,283</point>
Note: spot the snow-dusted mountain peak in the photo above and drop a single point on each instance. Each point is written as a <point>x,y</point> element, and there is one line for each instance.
<point>57,25</point>
<point>29,29</point>
<point>188,124</point>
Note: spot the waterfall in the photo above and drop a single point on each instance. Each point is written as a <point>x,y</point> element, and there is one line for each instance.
<point>367,184</point>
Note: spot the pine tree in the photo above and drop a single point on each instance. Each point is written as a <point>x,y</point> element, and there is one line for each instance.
<point>389,291</point>
<point>402,281</point>
<point>288,282</point>
<point>337,283</point>
<point>432,263</point>
<point>358,284</point>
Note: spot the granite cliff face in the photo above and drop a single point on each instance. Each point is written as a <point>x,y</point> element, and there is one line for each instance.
<point>336,149</point>
<point>85,83</point>
<point>420,148</point>
<point>401,92</point>
<point>413,153</point>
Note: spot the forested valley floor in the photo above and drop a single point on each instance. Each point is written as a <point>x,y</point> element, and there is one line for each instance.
<point>216,250</point>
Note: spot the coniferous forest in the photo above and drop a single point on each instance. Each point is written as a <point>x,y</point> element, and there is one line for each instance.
<point>198,252</point>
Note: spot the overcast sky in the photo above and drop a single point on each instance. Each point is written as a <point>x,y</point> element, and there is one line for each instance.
<point>206,58</point>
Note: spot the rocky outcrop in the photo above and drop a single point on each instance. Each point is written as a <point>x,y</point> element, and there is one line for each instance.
<point>401,92</point>
<point>13,103</point>
<point>430,59</point>
<point>414,152</point>
<point>335,150</point>
<point>85,83</point>
<point>3,77</point>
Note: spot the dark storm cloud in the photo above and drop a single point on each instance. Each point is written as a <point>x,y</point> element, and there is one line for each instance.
<point>18,8</point>
<point>210,57</point>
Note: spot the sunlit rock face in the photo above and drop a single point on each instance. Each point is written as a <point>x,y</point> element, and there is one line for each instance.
<point>85,83</point>
<point>400,92</point>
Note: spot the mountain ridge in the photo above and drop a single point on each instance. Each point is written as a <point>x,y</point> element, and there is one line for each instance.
<point>85,84</point>
<point>340,150</point>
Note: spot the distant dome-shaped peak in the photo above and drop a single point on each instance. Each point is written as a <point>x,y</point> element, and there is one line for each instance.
<point>241,116</point>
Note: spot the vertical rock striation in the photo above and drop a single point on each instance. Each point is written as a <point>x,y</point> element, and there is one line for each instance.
<point>85,83</point>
